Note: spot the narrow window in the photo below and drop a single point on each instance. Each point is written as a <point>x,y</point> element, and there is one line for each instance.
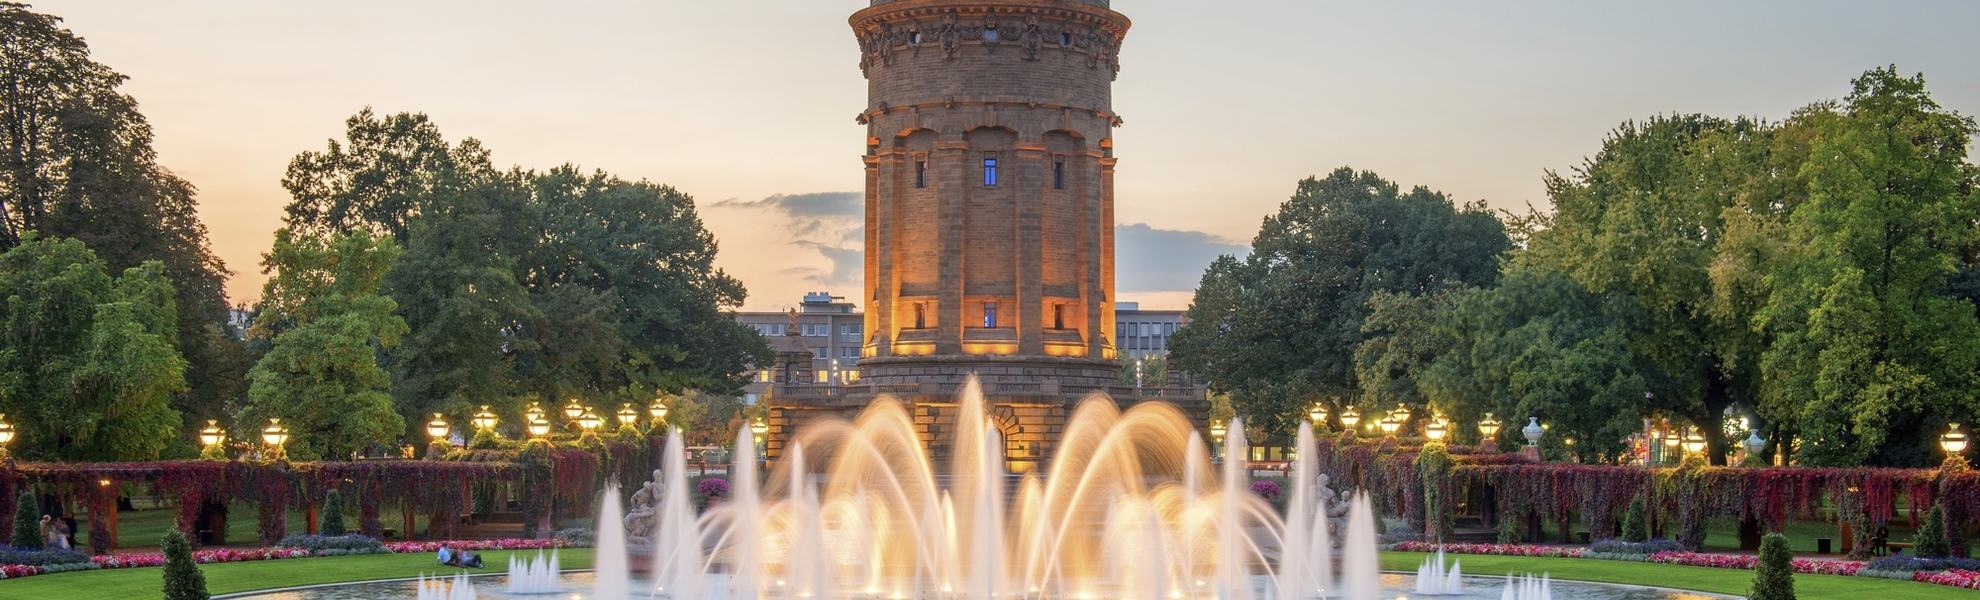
<point>920,316</point>
<point>990,315</point>
<point>921,173</point>
<point>1059,174</point>
<point>989,171</point>
<point>1058,316</point>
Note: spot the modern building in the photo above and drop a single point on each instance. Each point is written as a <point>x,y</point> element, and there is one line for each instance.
<point>831,328</point>
<point>1144,333</point>
<point>989,222</point>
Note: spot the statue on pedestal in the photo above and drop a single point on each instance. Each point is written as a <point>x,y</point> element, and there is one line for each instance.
<point>643,520</point>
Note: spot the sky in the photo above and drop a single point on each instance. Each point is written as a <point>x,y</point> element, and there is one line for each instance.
<point>748,105</point>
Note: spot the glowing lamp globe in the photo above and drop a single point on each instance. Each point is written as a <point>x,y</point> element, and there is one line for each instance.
<point>1694,442</point>
<point>1401,414</point>
<point>658,410</point>
<point>211,435</point>
<point>1217,430</point>
<point>589,420</point>
<point>539,427</point>
<point>574,410</point>
<point>1317,414</point>
<point>534,413</point>
<point>1350,417</point>
<point>6,430</point>
<point>1436,431</point>
<point>627,415</point>
<point>437,427</point>
<point>275,434</point>
<point>1953,441</point>
<point>1489,427</point>
<point>484,419</point>
<point>1391,424</point>
<point>759,428</point>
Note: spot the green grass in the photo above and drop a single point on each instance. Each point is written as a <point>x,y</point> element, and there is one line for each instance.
<point>1701,579</point>
<point>228,578</point>
<point>142,528</point>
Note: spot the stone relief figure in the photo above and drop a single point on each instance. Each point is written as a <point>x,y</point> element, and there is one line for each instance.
<point>1031,39</point>
<point>951,35</point>
<point>644,518</point>
<point>1337,504</point>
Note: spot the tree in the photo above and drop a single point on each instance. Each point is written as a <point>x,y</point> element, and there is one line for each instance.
<point>1636,524</point>
<point>1868,351</point>
<point>520,285</point>
<point>333,514</point>
<point>1642,222</point>
<point>183,579</point>
<point>76,162</point>
<point>88,366</point>
<point>1773,578</point>
<point>1278,329</point>
<point>27,523</point>
<point>1932,540</point>
<point>322,311</point>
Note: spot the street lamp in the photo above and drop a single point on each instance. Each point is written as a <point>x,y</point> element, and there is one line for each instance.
<point>212,436</point>
<point>1217,431</point>
<point>1755,445</point>
<point>589,421</point>
<point>1318,414</point>
<point>1350,417</point>
<point>1693,442</point>
<point>1533,431</point>
<point>1400,414</point>
<point>485,419</point>
<point>539,427</point>
<point>275,435</point>
<point>6,434</point>
<point>574,410</point>
<point>1436,430</point>
<point>1391,424</point>
<point>627,415</point>
<point>534,413</point>
<point>658,410</point>
<point>437,427</point>
<point>1953,441</point>
<point>1489,427</point>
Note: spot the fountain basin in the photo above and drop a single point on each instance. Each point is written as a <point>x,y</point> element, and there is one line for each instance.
<point>579,586</point>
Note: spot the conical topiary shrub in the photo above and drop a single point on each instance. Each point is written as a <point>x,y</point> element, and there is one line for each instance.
<point>1931,541</point>
<point>1773,578</point>
<point>183,580</point>
<point>27,523</point>
<point>1636,524</point>
<point>333,514</point>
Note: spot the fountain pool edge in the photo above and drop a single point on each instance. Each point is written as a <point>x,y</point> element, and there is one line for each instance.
<point>1627,586</point>
<point>318,586</point>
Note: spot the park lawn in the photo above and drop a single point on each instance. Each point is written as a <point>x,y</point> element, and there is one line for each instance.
<point>1702,579</point>
<point>227,578</point>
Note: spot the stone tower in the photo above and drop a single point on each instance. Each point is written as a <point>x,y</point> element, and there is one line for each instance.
<point>989,215</point>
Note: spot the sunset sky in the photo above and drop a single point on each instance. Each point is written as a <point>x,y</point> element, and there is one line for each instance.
<point>748,105</point>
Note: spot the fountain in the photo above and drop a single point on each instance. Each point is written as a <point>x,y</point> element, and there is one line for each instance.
<point>1134,507</point>
<point>445,588</point>
<point>1527,588</point>
<point>1433,580</point>
<point>535,576</point>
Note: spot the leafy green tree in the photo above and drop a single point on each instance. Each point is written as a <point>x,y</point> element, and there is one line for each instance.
<point>322,311</point>
<point>1867,348</point>
<point>88,366</point>
<point>27,523</point>
<point>333,514</point>
<point>1636,523</point>
<point>76,162</point>
<point>183,579</point>
<point>1641,222</point>
<point>1932,541</point>
<point>1773,578</point>
<point>1278,329</point>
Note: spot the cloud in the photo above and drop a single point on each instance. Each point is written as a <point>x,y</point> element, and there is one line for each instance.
<point>1147,259</point>
<point>829,223</point>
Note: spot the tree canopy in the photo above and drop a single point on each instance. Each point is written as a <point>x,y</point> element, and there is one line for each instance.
<point>1278,329</point>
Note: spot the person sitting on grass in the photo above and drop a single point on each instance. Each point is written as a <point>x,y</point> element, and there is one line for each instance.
<point>447,556</point>
<point>467,559</point>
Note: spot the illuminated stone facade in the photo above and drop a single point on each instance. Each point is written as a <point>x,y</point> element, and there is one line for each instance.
<point>989,216</point>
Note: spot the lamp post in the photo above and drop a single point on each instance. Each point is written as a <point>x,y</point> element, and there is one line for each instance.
<point>574,411</point>
<point>211,435</point>
<point>534,413</point>
<point>1954,444</point>
<point>275,435</point>
<point>1349,418</point>
<point>589,421</point>
<point>438,427</point>
<point>1436,430</point>
<point>484,419</point>
<point>539,427</point>
<point>627,416</point>
<point>1694,443</point>
<point>1217,431</point>
<point>1754,446</point>
<point>1317,414</point>
<point>1489,428</point>
<point>6,435</point>
<point>659,412</point>
<point>1390,424</point>
<point>762,435</point>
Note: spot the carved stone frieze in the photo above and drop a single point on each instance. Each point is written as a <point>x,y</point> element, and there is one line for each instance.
<point>1069,32</point>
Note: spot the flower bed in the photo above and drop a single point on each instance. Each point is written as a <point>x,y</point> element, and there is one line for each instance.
<point>1492,549</point>
<point>1742,561</point>
<point>127,561</point>
<point>1959,578</point>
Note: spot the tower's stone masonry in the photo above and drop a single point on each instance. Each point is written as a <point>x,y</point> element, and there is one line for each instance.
<point>989,218</point>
